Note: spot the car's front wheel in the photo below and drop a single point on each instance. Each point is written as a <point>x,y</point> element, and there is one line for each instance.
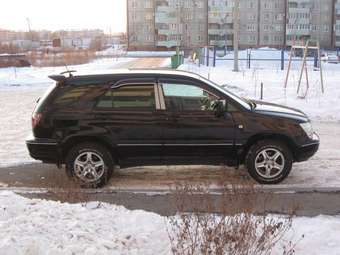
<point>269,162</point>
<point>90,164</point>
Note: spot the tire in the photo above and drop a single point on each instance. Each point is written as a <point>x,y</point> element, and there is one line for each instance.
<point>269,162</point>
<point>89,164</point>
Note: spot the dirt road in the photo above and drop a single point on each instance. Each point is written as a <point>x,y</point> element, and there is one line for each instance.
<point>146,63</point>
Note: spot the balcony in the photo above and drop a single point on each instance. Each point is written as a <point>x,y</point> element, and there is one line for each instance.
<point>220,9</point>
<point>165,9</point>
<point>167,32</point>
<point>219,19</point>
<point>221,43</point>
<point>300,32</point>
<point>299,3</point>
<point>217,32</point>
<point>164,18</point>
<point>168,44</point>
<point>306,10</point>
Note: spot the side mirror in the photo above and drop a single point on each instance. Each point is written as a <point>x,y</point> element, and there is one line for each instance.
<point>220,108</point>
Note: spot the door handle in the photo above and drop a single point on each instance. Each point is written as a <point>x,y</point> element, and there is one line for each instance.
<point>240,127</point>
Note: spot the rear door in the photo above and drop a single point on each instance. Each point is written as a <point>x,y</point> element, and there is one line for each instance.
<point>194,133</point>
<point>128,112</point>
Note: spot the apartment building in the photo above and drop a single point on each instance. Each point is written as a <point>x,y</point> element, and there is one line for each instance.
<point>336,27</point>
<point>141,24</point>
<point>164,24</point>
<point>310,19</point>
<point>220,23</point>
<point>180,23</point>
<point>272,21</point>
<point>262,23</point>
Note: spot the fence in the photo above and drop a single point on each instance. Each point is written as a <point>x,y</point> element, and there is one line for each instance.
<point>209,56</point>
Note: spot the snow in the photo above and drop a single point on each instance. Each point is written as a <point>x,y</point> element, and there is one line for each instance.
<point>37,77</point>
<point>32,226</point>
<point>16,110</point>
<point>247,83</point>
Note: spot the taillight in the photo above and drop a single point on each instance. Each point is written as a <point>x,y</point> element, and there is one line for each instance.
<point>36,117</point>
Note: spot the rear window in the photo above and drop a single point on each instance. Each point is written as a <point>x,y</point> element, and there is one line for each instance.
<point>70,97</point>
<point>42,101</point>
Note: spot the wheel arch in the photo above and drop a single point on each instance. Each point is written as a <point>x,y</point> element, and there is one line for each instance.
<point>286,140</point>
<point>74,141</point>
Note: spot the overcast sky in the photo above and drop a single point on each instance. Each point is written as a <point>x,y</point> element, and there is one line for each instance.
<point>64,14</point>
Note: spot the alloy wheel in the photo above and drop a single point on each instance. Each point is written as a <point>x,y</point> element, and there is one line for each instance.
<point>89,167</point>
<point>269,163</point>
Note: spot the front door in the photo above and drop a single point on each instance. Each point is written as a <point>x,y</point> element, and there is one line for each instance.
<point>194,133</point>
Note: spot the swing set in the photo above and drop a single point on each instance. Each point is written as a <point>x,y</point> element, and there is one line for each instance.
<point>306,48</point>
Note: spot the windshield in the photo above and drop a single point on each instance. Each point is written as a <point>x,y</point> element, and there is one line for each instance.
<point>242,101</point>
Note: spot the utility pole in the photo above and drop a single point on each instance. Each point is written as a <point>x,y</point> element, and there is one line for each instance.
<point>29,28</point>
<point>236,33</point>
<point>179,20</point>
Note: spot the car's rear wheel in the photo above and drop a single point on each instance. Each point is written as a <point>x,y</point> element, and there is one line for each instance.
<point>269,162</point>
<point>90,164</point>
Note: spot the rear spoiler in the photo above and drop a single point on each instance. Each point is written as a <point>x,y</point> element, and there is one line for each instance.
<point>58,78</point>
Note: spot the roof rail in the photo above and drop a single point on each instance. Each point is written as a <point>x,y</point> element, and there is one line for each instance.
<point>149,69</point>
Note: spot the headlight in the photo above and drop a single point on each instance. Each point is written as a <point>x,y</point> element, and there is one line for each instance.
<point>308,128</point>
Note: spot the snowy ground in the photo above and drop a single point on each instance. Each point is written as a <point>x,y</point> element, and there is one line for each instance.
<point>33,227</point>
<point>36,77</point>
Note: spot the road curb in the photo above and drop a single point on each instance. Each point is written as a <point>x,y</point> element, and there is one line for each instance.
<point>281,189</point>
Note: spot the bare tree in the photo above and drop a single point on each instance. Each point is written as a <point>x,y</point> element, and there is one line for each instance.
<point>236,33</point>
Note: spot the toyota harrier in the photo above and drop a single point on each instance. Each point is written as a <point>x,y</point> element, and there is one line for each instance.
<point>93,123</point>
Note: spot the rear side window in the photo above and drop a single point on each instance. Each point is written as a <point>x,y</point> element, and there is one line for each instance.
<point>78,96</point>
<point>139,97</point>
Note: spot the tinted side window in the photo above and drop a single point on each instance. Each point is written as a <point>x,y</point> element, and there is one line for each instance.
<point>141,97</point>
<point>78,96</point>
<point>182,97</point>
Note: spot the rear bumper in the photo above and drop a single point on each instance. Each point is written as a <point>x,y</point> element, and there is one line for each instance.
<point>307,151</point>
<point>45,150</point>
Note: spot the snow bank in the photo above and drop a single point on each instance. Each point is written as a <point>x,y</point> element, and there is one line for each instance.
<point>44,227</point>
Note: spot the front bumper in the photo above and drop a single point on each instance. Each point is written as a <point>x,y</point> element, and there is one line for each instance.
<point>308,150</point>
<point>42,149</point>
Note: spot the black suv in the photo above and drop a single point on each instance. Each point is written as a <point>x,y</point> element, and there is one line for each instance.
<point>147,117</point>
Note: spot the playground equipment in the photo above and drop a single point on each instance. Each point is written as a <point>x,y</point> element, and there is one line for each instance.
<point>306,48</point>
